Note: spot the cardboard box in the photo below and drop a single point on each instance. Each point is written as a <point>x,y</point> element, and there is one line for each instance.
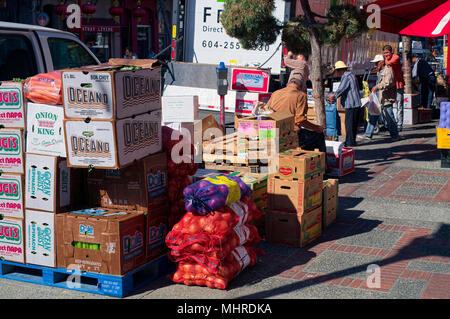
<point>45,129</point>
<point>424,115</point>
<point>258,183</point>
<point>11,195</point>
<point>410,101</point>
<point>266,126</point>
<point>342,163</point>
<point>179,108</point>
<point>47,183</point>
<point>12,104</point>
<point>251,80</point>
<point>137,187</point>
<point>443,138</point>
<point>11,151</point>
<point>40,248</point>
<point>101,240</point>
<point>330,201</point>
<point>95,92</point>
<point>298,164</point>
<point>246,101</point>
<point>291,229</point>
<point>410,116</point>
<point>297,196</point>
<point>156,227</point>
<point>112,144</point>
<point>12,239</point>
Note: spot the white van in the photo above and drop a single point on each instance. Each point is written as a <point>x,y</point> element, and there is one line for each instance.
<point>26,50</point>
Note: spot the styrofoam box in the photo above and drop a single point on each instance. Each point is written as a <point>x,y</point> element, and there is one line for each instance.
<point>47,183</point>
<point>40,238</point>
<point>45,129</point>
<point>11,195</point>
<point>180,108</point>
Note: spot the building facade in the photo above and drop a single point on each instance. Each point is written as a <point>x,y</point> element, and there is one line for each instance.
<point>141,25</point>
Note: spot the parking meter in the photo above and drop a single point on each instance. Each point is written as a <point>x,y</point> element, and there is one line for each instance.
<point>222,90</point>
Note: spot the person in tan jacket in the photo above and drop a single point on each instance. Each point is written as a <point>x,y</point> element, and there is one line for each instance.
<point>387,89</point>
<point>299,66</point>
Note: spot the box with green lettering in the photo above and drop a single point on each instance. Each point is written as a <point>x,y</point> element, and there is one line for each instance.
<point>40,248</point>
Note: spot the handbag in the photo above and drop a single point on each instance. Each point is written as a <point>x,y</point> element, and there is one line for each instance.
<point>374,105</point>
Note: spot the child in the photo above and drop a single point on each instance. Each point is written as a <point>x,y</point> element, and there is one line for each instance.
<point>331,116</point>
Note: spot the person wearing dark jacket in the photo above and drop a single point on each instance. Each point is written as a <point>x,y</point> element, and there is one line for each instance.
<point>348,91</point>
<point>427,80</point>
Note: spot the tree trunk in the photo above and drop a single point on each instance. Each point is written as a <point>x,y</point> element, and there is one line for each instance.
<point>316,67</point>
<point>407,71</point>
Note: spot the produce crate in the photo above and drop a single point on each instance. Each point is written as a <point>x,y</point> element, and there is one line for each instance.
<point>115,286</point>
<point>254,169</point>
<point>236,149</point>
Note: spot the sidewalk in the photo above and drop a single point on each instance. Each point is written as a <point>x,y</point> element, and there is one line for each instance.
<point>394,211</point>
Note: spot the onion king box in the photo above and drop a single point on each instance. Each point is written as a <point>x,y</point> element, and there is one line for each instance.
<point>101,240</point>
<point>11,195</point>
<point>112,144</point>
<point>12,104</point>
<point>45,129</point>
<point>141,186</point>
<point>47,183</point>
<point>40,246</point>
<point>11,151</point>
<point>113,90</point>
<point>11,239</point>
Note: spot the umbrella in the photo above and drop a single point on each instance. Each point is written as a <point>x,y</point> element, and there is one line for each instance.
<point>435,24</point>
<point>395,15</point>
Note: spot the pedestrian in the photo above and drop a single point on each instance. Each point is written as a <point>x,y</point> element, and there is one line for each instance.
<point>393,61</point>
<point>299,66</point>
<point>427,80</point>
<point>348,91</point>
<point>387,88</point>
<point>373,119</point>
<point>129,54</point>
<point>294,100</point>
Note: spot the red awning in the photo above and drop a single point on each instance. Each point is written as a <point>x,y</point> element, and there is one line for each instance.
<point>398,14</point>
<point>434,24</point>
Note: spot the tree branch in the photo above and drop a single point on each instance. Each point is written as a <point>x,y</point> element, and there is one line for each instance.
<point>318,15</point>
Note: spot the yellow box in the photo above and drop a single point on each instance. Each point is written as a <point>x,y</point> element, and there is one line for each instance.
<point>443,138</point>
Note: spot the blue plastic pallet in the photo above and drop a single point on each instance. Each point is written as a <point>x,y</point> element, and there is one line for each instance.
<point>115,286</point>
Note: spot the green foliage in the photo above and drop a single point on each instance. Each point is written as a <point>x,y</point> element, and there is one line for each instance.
<point>250,21</point>
<point>296,37</point>
<point>344,21</point>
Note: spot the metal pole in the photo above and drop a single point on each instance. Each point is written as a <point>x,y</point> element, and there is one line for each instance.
<point>222,112</point>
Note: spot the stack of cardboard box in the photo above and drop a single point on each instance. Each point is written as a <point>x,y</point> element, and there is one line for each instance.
<point>12,149</point>
<point>113,130</point>
<point>330,201</point>
<point>294,214</point>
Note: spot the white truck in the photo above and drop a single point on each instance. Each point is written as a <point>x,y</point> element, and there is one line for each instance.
<point>204,44</point>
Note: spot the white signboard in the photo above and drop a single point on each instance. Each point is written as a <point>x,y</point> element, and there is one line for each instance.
<point>207,41</point>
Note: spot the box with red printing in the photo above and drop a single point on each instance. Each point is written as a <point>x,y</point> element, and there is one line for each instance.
<point>246,101</point>
<point>251,80</point>
<point>342,163</point>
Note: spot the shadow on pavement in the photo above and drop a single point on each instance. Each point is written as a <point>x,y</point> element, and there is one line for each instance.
<point>437,244</point>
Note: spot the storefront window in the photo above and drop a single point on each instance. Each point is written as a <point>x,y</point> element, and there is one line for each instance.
<point>99,44</point>
<point>144,40</point>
